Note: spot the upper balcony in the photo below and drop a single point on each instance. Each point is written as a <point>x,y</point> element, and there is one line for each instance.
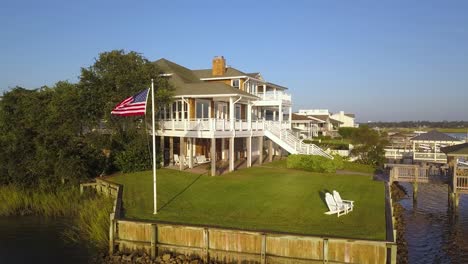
<point>273,98</point>
<point>210,127</point>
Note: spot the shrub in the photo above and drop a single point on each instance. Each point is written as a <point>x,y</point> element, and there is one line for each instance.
<point>313,163</point>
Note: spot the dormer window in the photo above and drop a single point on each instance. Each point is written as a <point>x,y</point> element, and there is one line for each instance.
<point>235,83</point>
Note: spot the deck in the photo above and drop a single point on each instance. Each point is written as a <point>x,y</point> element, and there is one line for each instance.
<point>417,174</point>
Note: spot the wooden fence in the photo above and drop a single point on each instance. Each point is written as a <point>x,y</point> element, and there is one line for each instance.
<point>416,173</point>
<point>241,246</point>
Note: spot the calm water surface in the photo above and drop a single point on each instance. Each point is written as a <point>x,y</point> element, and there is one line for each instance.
<point>31,239</point>
<point>433,233</point>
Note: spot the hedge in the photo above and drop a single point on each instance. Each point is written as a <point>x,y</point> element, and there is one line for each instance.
<point>314,163</point>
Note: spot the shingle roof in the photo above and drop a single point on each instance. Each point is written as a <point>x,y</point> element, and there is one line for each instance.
<point>335,121</point>
<point>300,117</point>
<point>455,150</point>
<point>231,72</point>
<point>187,83</point>
<point>208,73</point>
<point>434,135</point>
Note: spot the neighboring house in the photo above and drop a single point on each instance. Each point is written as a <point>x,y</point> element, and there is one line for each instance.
<point>305,126</point>
<point>225,114</point>
<point>346,119</point>
<point>329,126</point>
<point>427,146</point>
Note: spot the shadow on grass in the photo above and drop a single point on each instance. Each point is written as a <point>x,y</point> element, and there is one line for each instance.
<point>322,195</point>
<point>181,192</point>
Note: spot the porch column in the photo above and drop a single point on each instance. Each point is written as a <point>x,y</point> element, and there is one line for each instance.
<point>270,151</point>
<point>181,153</point>
<point>264,91</point>
<point>213,156</point>
<point>171,150</point>
<point>290,117</point>
<point>231,112</point>
<point>249,152</point>
<point>260,150</point>
<point>280,112</point>
<point>414,150</point>
<point>190,152</point>
<point>222,149</point>
<point>264,113</point>
<point>162,150</point>
<point>231,154</point>
<point>249,116</point>
<point>435,151</point>
<point>274,115</point>
<point>194,148</point>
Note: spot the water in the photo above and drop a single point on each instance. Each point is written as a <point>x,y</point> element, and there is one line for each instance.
<point>460,136</point>
<point>433,233</point>
<point>30,239</point>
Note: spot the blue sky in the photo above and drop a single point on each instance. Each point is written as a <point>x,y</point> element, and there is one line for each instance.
<point>392,60</point>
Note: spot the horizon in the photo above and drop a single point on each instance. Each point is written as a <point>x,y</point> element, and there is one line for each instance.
<point>330,55</point>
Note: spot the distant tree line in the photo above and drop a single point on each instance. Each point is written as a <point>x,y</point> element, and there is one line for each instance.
<point>413,124</point>
<point>55,134</point>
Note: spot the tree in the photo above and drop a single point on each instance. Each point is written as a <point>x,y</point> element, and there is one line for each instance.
<point>50,135</point>
<point>115,76</point>
<point>369,146</point>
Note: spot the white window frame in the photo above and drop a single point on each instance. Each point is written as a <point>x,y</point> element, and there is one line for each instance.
<point>202,101</point>
<point>238,83</point>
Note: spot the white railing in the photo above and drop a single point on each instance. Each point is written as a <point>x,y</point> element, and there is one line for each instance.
<point>296,145</point>
<point>430,156</point>
<point>398,153</point>
<point>210,124</point>
<point>415,173</point>
<point>271,95</point>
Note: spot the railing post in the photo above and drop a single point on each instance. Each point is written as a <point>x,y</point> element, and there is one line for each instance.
<point>206,238</point>
<point>325,250</point>
<point>263,252</point>
<point>154,241</point>
<point>111,234</point>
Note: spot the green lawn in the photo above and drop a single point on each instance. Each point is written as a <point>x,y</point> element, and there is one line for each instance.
<point>259,198</point>
<point>357,167</point>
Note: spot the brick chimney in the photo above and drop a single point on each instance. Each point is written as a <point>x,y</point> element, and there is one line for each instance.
<point>219,66</point>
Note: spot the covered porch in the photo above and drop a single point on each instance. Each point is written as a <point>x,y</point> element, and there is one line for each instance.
<point>427,147</point>
<point>216,155</point>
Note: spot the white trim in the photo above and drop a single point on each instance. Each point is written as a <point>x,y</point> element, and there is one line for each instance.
<point>231,77</point>
<point>215,95</point>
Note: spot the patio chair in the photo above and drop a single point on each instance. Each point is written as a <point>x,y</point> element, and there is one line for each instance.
<point>201,159</point>
<point>333,207</point>
<point>339,201</point>
<point>176,159</point>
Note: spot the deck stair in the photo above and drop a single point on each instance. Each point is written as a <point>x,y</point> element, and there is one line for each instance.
<point>290,142</point>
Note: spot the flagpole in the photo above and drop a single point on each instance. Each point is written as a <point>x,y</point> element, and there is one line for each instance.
<point>154,150</point>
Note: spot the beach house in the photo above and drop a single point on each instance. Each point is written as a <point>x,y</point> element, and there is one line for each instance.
<point>222,114</point>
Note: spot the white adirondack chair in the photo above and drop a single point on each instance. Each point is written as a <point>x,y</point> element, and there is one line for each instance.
<point>176,159</point>
<point>333,207</point>
<point>339,201</point>
<point>201,159</point>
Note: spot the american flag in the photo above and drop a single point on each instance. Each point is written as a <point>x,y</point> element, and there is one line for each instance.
<point>132,106</point>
